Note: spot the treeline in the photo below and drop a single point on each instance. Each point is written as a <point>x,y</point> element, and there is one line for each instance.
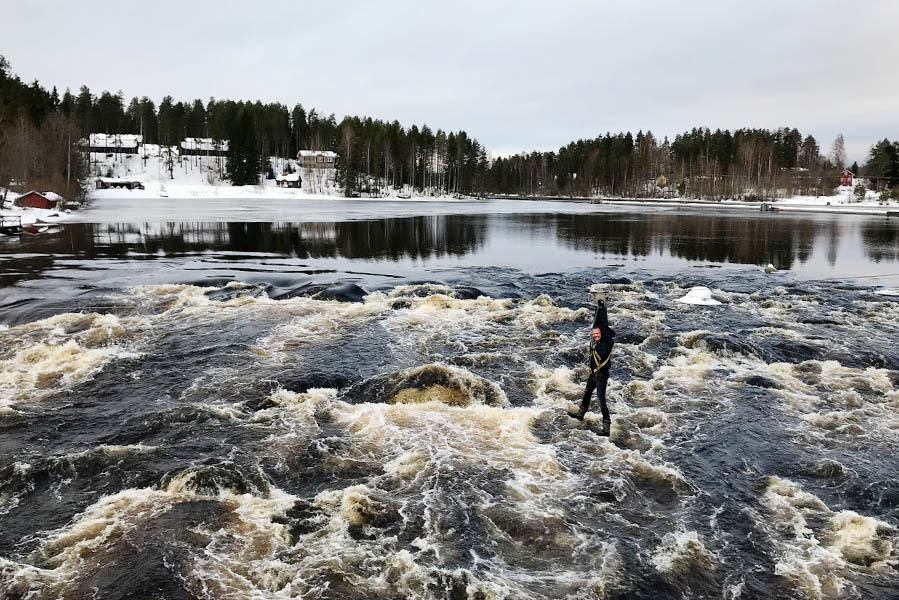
<point>40,129</point>
<point>748,163</point>
<point>373,155</point>
<point>37,140</point>
<point>882,167</point>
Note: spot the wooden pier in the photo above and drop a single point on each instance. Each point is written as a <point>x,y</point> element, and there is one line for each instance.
<point>10,225</point>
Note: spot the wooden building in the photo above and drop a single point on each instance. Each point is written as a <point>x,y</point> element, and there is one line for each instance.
<point>105,183</point>
<point>317,159</point>
<point>114,143</point>
<point>34,199</point>
<point>289,180</point>
<point>203,147</point>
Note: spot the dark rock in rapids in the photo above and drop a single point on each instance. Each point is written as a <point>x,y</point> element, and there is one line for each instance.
<point>342,292</point>
<point>434,382</point>
<point>763,382</point>
<point>236,290</point>
<point>400,304</point>
<point>468,293</point>
<point>722,343</point>
<point>210,480</point>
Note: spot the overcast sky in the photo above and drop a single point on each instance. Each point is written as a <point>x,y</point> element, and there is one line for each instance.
<point>518,75</point>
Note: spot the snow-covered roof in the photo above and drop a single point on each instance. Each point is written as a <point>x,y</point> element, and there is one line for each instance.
<point>118,179</point>
<point>157,150</point>
<point>288,177</point>
<point>204,144</point>
<point>325,153</point>
<point>52,196</point>
<point>28,193</point>
<point>115,140</point>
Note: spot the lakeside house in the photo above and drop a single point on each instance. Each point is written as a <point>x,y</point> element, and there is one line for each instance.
<point>105,183</point>
<point>33,199</point>
<point>317,159</point>
<point>115,143</point>
<point>319,169</point>
<point>289,180</point>
<point>203,147</point>
<point>130,143</point>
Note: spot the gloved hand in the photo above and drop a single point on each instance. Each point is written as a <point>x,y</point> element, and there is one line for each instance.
<point>597,295</point>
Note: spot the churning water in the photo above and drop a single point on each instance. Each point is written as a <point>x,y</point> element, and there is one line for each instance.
<point>376,409</point>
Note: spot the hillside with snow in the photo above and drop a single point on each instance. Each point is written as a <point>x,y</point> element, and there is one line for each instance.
<point>174,176</point>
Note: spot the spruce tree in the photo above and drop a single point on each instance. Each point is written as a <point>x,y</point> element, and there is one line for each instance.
<point>244,162</point>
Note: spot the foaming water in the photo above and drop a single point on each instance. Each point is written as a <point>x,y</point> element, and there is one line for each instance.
<point>246,440</point>
<point>43,357</point>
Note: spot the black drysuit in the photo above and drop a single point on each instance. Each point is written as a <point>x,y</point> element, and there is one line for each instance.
<point>600,362</point>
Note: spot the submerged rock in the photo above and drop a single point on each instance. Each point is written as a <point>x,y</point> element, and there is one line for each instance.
<point>435,382</point>
<point>763,382</point>
<point>341,292</point>
<point>468,293</point>
<point>236,290</point>
<point>720,343</point>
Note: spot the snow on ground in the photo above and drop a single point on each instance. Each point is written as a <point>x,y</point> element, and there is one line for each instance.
<point>844,196</point>
<point>30,216</point>
<point>203,177</point>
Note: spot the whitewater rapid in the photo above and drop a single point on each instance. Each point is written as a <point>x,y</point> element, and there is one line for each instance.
<point>214,442</point>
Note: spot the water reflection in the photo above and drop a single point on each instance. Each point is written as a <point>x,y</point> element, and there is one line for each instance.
<point>708,238</point>
<point>881,239</point>
<point>418,237</point>
<point>749,239</point>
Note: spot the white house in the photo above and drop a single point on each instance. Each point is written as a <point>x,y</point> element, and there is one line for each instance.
<point>114,143</point>
<point>203,147</point>
<point>318,170</point>
<point>290,180</point>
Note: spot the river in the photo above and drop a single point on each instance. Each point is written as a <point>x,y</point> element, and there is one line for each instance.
<point>368,401</point>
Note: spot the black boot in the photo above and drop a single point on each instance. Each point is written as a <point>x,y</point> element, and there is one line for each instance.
<point>578,414</point>
<point>606,425</point>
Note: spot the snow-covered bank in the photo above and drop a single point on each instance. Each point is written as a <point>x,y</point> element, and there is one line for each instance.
<point>267,190</point>
<point>838,204</point>
<point>31,216</point>
<point>204,177</point>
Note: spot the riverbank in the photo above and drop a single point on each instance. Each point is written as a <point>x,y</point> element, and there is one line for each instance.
<point>783,205</point>
<point>33,216</point>
<point>837,204</point>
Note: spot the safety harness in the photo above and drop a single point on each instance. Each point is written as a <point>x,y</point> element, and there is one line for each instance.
<point>599,364</point>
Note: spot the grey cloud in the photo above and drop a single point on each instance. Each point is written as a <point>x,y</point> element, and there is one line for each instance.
<point>518,75</point>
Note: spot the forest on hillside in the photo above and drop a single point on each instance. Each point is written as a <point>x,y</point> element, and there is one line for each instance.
<point>40,130</point>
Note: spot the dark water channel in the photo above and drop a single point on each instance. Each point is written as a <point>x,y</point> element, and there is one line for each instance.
<point>376,409</point>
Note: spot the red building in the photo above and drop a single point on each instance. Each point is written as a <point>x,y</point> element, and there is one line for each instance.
<point>846,177</point>
<point>35,200</point>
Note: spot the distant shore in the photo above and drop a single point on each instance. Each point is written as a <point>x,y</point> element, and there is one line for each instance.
<point>822,204</point>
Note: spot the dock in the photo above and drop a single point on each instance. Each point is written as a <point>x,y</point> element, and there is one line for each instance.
<point>10,225</point>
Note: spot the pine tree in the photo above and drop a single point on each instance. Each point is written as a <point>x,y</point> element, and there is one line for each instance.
<point>84,110</point>
<point>244,162</point>
<point>67,105</point>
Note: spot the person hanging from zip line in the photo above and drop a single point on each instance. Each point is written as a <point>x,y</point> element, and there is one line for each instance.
<point>602,338</point>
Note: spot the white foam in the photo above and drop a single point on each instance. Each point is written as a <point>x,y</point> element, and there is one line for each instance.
<point>681,553</point>
<point>700,296</point>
